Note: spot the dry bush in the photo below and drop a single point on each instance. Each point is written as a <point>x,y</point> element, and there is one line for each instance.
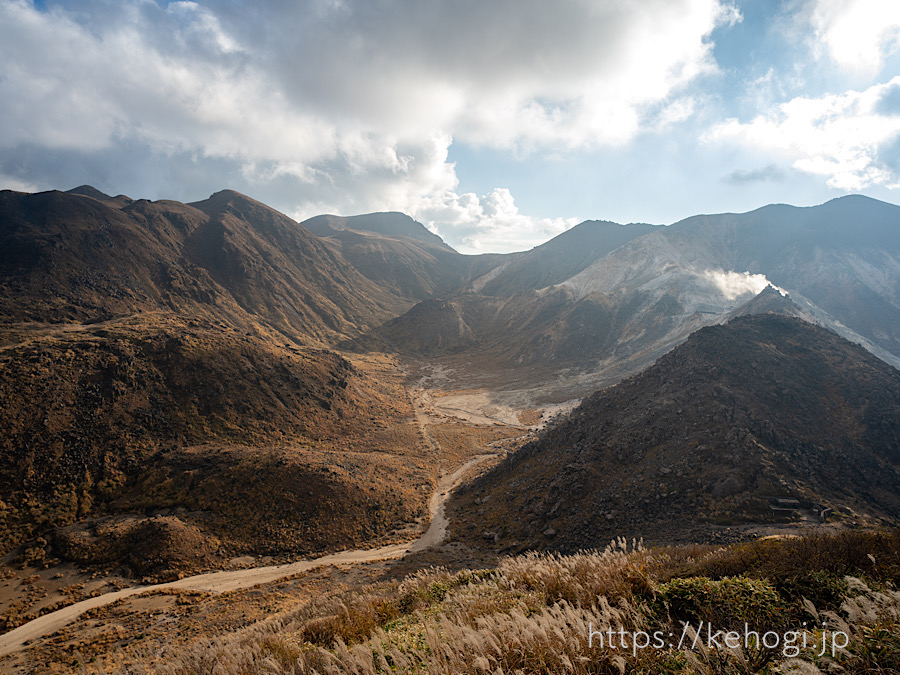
<point>582,578</point>
<point>535,614</point>
<point>845,553</point>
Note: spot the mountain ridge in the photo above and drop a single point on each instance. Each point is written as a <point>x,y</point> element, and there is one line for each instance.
<point>646,295</point>
<point>761,408</point>
<point>72,257</point>
<point>386,223</point>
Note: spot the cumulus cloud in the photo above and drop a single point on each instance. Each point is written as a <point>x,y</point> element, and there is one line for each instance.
<point>736,284</point>
<point>857,34</point>
<point>344,103</point>
<point>491,223</point>
<point>837,136</point>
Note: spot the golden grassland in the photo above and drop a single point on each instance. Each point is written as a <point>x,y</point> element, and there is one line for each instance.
<point>533,614</point>
<point>459,440</point>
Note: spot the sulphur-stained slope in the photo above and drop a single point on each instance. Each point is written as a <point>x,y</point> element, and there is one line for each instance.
<point>843,256</point>
<point>563,257</point>
<point>614,315</point>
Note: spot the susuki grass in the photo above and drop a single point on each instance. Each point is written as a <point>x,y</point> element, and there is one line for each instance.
<point>535,613</point>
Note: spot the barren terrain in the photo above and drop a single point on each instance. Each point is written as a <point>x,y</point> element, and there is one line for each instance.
<point>461,447</point>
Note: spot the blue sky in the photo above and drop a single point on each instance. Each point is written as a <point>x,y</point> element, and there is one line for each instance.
<point>498,125</point>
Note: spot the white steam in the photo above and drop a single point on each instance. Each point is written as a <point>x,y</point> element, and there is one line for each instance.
<point>736,284</point>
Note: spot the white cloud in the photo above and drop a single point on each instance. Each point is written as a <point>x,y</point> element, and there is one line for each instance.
<point>858,34</point>
<point>838,136</point>
<point>17,185</point>
<point>349,103</point>
<point>491,223</point>
<point>674,113</point>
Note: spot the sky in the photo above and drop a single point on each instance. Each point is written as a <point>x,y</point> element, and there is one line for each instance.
<point>498,124</point>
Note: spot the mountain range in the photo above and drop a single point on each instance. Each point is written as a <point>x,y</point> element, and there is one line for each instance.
<point>598,320</point>
<point>159,357</point>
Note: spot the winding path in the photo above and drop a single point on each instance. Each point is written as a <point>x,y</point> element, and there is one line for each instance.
<point>230,580</point>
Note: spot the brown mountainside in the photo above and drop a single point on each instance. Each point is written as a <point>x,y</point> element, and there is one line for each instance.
<point>397,253</point>
<point>388,223</point>
<point>161,372</point>
<point>764,407</point>
<point>70,257</point>
<point>256,446</point>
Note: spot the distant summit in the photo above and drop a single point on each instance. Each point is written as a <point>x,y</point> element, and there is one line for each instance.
<point>388,223</point>
<point>89,191</point>
<point>564,256</point>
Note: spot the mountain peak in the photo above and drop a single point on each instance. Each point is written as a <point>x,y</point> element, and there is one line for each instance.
<point>89,191</point>
<point>772,300</point>
<point>738,415</point>
<point>219,200</point>
<point>386,223</point>
<point>855,199</point>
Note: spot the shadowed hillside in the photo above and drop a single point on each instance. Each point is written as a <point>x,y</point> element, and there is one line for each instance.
<point>762,408</point>
<point>397,253</point>
<point>70,257</point>
<point>263,447</point>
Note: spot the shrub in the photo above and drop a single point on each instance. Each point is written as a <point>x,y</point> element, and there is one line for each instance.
<point>727,603</point>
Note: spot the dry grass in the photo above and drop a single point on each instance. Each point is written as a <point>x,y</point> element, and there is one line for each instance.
<point>162,414</point>
<point>531,416</point>
<point>460,441</point>
<point>532,615</point>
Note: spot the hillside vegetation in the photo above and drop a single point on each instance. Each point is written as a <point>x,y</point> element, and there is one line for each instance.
<point>168,395</point>
<point>70,257</point>
<point>255,445</point>
<point>741,415</point>
<point>535,614</point>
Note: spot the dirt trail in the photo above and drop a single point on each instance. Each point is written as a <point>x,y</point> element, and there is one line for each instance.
<point>438,528</point>
<point>230,580</point>
<point>419,400</point>
<point>213,582</point>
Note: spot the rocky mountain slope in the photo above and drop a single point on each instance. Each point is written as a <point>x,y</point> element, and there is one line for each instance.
<point>158,354</point>
<point>397,253</point>
<point>149,425</point>
<point>839,262</point>
<point>388,224</point>
<point>762,408</point>
<point>164,379</point>
<point>842,257</point>
<point>72,257</point>
<point>562,257</point>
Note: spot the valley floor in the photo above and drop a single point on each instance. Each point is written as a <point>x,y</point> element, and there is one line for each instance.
<point>95,620</point>
<point>129,626</point>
